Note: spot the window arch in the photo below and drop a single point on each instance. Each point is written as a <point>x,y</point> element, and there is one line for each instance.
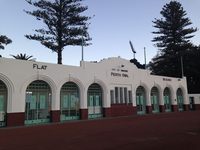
<point>3,103</point>
<point>38,102</point>
<point>70,102</point>
<point>155,99</point>
<point>141,100</point>
<point>179,95</point>
<point>167,99</point>
<point>95,101</point>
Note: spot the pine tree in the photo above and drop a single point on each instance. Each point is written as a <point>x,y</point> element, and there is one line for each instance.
<point>172,39</point>
<point>65,24</point>
<point>4,40</point>
<point>191,69</point>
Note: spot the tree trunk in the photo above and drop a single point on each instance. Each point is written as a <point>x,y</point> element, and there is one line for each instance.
<point>59,30</point>
<point>60,57</point>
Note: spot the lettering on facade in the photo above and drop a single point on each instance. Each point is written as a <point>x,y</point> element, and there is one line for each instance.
<point>124,70</point>
<point>114,74</point>
<point>42,67</point>
<point>117,72</point>
<point>167,79</point>
<point>124,75</point>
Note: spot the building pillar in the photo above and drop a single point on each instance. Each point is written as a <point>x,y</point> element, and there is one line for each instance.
<point>175,108</point>
<point>162,108</point>
<point>161,101</point>
<point>148,103</point>
<point>174,101</point>
<point>149,109</point>
<point>83,114</point>
<point>55,115</point>
<point>186,107</point>
<point>15,119</point>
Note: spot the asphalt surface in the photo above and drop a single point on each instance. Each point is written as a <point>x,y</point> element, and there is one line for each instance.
<point>166,131</point>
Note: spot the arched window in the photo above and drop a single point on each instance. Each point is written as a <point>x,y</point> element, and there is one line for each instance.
<point>167,99</point>
<point>69,102</point>
<point>141,100</point>
<point>38,103</point>
<point>3,104</point>
<point>95,101</point>
<point>155,100</point>
<point>179,95</point>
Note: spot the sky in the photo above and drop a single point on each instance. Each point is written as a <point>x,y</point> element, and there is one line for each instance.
<point>113,24</point>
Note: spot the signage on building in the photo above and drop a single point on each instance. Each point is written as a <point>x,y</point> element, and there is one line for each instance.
<point>167,79</point>
<point>119,73</point>
<point>42,67</point>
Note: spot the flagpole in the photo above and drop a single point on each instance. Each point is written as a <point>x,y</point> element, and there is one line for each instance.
<point>182,73</point>
<point>145,57</point>
<point>82,49</point>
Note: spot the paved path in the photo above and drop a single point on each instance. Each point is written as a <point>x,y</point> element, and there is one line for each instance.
<point>169,131</point>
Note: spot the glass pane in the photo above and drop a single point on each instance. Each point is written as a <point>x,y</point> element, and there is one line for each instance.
<point>2,103</point>
<point>152,100</point>
<point>141,100</point>
<point>33,102</point>
<point>167,99</point>
<point>155,99</point>
<point>97,100</point>
<point>65,101</point>
<point>73,102</point>
<point>137,100</point>
<point>91,103</point>
<point>42,101</point>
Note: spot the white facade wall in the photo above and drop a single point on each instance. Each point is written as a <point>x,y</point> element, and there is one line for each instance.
<point>108,73</point>
<point>196,98</point>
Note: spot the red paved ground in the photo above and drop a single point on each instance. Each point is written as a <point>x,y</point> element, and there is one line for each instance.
<point>172,131</point>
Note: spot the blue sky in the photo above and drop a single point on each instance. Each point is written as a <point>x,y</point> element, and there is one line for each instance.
<point>114,24</point>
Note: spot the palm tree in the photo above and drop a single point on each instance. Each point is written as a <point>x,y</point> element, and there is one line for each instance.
<point>23,57</point>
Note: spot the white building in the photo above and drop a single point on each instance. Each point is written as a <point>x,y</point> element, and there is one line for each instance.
<point>36,92</point>
<point>194,100</point>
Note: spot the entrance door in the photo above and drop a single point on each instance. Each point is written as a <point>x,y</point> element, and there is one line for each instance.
<point>38,102</point>
<point>2,110</point>
<point>94,105</point>
<point>95,101</point>
<point>69,102</point>
<point>3,104</point>
<point>179,94</point>
<point>180,103</point>
<point>37,108</point>
<point>69,106</point>
<point>155,104</point>
<point>167,104</point>
<point>155,100</point>
<point>140,100</point>
<point>192,106</point>
<point>141,108</point>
